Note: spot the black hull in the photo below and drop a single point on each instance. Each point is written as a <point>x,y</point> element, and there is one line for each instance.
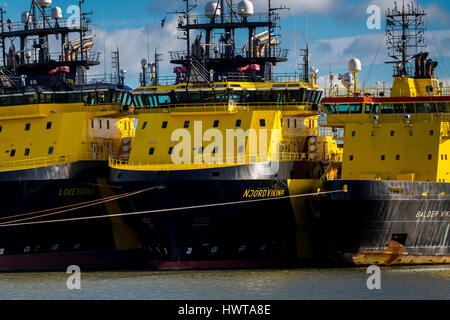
<point>51,193</point>
<point>245,233</point>
<point>385,222</point>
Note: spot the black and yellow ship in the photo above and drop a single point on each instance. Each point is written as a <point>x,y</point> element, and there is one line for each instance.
<point>57,129</point>
<point>226,212</point>
<point>395,159</point>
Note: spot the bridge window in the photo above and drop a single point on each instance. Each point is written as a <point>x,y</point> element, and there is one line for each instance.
<point>445,157</point>
<point>420,108</point>
<point>398,107</point>
<point>442,107</point>
<point>355,108</point>
<point>367,108</point>
<point>376,109</point>
<point>431,107</point>
<point>387,108</point>
<point>329,108</point>
<point>342,108</point>
<point>409,108</point>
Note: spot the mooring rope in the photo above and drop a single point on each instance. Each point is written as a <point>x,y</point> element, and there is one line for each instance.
<point>82,206</point>
<point>13,224</point>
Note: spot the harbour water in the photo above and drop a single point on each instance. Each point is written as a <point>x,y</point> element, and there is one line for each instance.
<point>427,282</point>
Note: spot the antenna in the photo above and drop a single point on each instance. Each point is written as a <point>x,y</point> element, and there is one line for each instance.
<point>405,35</point>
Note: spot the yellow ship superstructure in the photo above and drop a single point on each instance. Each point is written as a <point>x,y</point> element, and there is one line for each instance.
<point>394,208</point>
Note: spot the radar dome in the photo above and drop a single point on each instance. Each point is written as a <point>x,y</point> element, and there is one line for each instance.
<point>354,65</point>
<point>56,13</point>
<point>25,17</point>
<point>245,8</point>
<point>212,10</point>
<point>347,79</point>
<point>43,3</point>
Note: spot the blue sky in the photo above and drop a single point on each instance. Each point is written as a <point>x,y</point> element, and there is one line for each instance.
<point>134,26</point>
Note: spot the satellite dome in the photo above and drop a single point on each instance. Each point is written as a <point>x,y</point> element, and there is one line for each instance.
<point>213,10</point>
<point>25,18</point>
<point>354,65</point>
<point>56,13</point>
<point>44,3</point>
<point>245,8</point>
<point>144,62</point>
<point>347,79</point>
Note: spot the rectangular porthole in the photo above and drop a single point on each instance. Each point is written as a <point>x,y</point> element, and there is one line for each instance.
<point>1,128</point>
<point>431,132</point>
<point>107,125</point>
<point>238,123</point>
<point>397,157</point>
<point>392,133</point>
<point>164,124</point>
<point>50,150</point>
<point>49,125</point>
<point>144,125</point>
<point>373,133</point>
<point>13,153</point>
<point>241,149</point>
<point>170,150</point>
<point>262,122</point>
<point>353,133</point>
<point>383,157</point>
<point>216,123</point>
<point>99,124</point>
<point>200,150</point>
<point>151,151</point>
<point>429,157</point>
<point>27,126</point>
<point>351,158</point>
<point>27,152</point>
<point>186,124</point>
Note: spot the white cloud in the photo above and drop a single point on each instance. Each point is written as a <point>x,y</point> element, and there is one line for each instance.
<point>133,46</point>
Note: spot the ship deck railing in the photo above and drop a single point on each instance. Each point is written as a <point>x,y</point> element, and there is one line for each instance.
<point>41,24</point>
<point>33,163</point>
<point>166,164</point>
<point>229,107</point>
<point>256,17</point>
<point>375,91</point>
<point>272,52</point>
<point>43,109</point>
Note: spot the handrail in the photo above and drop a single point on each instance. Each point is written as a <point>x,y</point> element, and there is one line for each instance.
<point>45,108</point>
<point>122,162</point>
<point>229,106</point>
<point>13,165</point>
